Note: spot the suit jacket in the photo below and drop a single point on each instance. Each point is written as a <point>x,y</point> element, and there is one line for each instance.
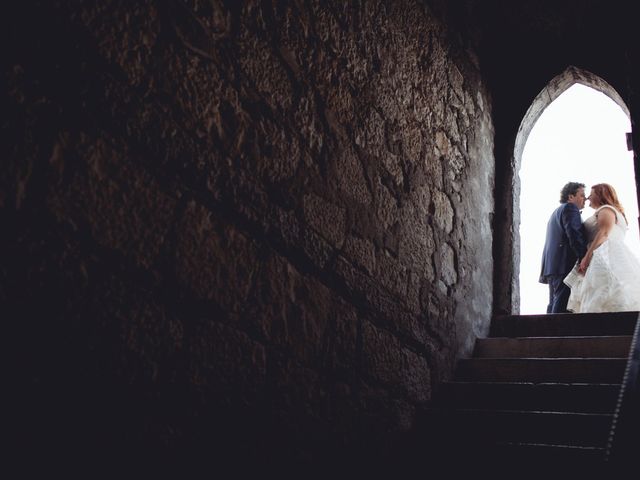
<point>565,244</point>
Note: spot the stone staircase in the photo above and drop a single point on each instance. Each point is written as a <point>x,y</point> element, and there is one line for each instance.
<point>540,389</point>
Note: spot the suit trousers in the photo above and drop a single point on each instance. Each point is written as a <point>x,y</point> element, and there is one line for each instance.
<point>558,294</point>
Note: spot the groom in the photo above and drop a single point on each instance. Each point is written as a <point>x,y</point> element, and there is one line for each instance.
<point>564,246</point>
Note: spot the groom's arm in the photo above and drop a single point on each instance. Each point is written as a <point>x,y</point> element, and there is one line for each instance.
<point>572,225</point>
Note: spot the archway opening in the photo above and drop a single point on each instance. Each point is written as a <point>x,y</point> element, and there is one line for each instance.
<point>579,136</point>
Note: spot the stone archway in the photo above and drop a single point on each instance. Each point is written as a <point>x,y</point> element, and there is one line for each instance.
<point>551,92</point>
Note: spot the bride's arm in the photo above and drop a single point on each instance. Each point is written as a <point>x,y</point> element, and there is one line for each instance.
<point>606,220</point>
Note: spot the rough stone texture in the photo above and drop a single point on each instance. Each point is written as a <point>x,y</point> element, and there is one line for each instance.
<point>247,232</point>
<point>388,362</point>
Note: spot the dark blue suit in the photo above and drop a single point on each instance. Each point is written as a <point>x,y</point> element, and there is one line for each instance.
<point>564,246</point>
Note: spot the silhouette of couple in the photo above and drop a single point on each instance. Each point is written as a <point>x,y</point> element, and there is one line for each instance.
<point>587,266</point>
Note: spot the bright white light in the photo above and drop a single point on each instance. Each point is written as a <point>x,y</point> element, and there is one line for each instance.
<point>580,137</point>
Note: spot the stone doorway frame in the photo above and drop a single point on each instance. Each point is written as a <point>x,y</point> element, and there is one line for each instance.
<point>509,269</point>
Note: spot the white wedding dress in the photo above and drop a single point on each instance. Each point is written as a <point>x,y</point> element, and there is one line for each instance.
<point>612,280</point>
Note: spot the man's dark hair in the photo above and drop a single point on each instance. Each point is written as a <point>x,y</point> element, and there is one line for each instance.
<point>570,188</point>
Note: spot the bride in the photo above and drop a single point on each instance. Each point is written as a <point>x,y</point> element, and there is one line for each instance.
<point>608,277</point>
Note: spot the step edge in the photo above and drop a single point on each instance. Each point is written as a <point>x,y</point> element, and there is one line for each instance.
<point>555,337</point>
<point>544,358</point>
<point>549,413</point>
<point>549,445</point>
<point>533,384</point>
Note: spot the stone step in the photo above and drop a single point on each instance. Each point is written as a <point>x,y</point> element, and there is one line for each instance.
<point>519,453</point>
<point>546,347</point>
<point>494,427</point>
<point>541,370</point>
<point>558,325</point>
<point>516,460</point>
<point>560,397</point>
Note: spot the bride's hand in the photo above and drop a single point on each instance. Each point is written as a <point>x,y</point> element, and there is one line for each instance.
<point>584,264</point>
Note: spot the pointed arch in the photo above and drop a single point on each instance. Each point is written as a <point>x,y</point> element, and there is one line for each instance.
<point>570,76</point>
<point>553,90</point>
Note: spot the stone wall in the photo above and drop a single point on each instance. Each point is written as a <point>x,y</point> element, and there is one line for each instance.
<point>240,230</point>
